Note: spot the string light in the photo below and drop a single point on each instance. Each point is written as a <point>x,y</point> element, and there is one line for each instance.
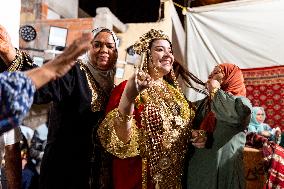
<point>184,9</point>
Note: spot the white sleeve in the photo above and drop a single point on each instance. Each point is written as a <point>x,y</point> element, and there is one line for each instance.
<point>12,136</point>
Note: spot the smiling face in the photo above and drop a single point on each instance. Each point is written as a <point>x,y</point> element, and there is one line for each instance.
<point>217,74</point>
<point>103,55</point>
<point>162,58</point>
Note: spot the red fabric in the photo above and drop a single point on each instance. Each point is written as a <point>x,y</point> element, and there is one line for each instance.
<point>126,173</point>
<point>233,80</point>
<point>115,97</point>
<point>265,88</point>
<point>276,170</point>
<point>209,122</point>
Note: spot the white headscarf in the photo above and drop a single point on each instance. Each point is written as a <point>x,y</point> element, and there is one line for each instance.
<point>104,78</point>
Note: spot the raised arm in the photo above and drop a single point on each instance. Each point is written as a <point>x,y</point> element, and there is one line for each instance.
<point>7,51</point>
<point>17,88</point>
<point>61,64</point>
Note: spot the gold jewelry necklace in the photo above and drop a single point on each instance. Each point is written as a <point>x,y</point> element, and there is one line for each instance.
<point>165,118</point>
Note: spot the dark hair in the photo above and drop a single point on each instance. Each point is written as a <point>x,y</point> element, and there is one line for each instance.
<point>186,75</point>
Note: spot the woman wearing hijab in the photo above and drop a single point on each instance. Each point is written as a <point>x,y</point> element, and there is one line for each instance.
<point>148,125</point>
<point>258,126</point>
<point>16,97</point>
<point>224,115</point>
<point>79,99</point>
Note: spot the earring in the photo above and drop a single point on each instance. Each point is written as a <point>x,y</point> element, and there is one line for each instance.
<point>156,71</point>
<point>173,76</point>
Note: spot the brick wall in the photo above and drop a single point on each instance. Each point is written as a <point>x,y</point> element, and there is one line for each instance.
<point>75,28</point>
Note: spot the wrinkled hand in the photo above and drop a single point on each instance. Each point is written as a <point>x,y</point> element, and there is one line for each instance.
<point>143,81</point>
<point>7,51</point>
<point>198,138</point>
<point>64,62</point>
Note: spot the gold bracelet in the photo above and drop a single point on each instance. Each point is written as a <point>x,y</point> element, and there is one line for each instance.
<point>213,92</point>
<point>124,118</point>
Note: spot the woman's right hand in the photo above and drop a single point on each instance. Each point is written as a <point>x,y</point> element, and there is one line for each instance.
<point>142,81</point>
<point>65,61</point>
<point>136,84</point>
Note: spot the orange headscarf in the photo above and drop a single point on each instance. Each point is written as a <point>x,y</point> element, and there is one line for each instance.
<point>233,82</point>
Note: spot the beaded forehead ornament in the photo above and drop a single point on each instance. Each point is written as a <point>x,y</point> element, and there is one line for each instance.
<point>144,41</point>
<point>142,47</point>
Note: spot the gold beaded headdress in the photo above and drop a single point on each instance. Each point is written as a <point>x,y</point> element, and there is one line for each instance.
<point>142,47</point>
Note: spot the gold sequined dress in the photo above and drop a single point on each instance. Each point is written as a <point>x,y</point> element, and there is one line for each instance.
<point>159,138</point>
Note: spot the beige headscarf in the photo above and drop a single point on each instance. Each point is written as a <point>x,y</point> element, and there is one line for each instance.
<point>104,78</point>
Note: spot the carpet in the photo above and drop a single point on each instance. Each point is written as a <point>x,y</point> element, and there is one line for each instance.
<point>265,88</point>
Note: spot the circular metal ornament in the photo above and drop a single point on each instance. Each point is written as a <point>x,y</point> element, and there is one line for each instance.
<point>27,33</point>
<point>164,163</point>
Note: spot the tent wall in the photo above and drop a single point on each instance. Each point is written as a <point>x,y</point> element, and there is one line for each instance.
<point>248,33</point>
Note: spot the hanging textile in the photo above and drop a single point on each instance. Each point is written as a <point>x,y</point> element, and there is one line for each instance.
<point>248,33</point>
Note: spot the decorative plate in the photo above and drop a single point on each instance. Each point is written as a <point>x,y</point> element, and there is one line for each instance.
<point>27,33</point>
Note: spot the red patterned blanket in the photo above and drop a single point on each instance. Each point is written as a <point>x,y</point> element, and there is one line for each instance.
<point>265,87</point>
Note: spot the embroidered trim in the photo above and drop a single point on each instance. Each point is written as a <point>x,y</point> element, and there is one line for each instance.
<point>111,142</point>
<point>18,62</point>
<point>99,99</point>
<point>144,173</point>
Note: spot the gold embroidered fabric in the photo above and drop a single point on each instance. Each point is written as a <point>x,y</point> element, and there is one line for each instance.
<point>21,59</point>
<point>163,139</point>
<point>166,121</point>
<point>99,99</point>
<point>111,142</point>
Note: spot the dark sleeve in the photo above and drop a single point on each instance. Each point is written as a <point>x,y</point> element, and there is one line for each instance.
<point>54,90</point>
<point>199,113</point>
<point>3,66</point>
<point>60,88</point>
